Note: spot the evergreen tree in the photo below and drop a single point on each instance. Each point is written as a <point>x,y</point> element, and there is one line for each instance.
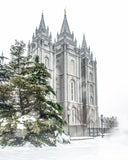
<point>7,111</point>
<point>48,114</point>
<point>33,118</point>
<point>10,100</point>
<point>15,67</point>
<point>4,87</point>
<point>3,73</point>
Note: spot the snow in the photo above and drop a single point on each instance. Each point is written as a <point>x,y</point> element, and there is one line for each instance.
<point>27,117</point>
<point>20,126</point>
<point>4,122</point>
<point>62,138</point>
<point>21,120</point>
<point>107,148</point>
<point>24,118</point>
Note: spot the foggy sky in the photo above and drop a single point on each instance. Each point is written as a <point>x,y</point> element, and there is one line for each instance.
<point>105,24</point>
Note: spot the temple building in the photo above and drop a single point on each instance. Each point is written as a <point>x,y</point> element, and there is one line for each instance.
<point>74,75</point>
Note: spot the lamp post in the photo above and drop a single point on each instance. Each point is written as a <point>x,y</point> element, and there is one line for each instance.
<point>102,121</point>
<point>68,113</point>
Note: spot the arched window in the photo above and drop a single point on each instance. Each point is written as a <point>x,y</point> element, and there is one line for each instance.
<point>41,42</point>
<point>73,115</point>
<point>91,88</point>
<point>58,69</point>
<point>91,100</point>
<point>72,67</point>
<point>91,76</point>
<point>46,62</point>
<point>72,90</point>
<point>33,45</point>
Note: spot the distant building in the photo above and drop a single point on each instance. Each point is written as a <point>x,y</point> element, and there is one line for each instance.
<point>74,75</point>
<point>110,122</point>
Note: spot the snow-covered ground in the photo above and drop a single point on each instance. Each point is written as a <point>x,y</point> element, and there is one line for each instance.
<point>107,148</point>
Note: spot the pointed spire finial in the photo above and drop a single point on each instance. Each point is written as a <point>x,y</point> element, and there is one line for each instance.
<point>36,31</point>
<point>2,58</point>
<point>50,36</point>
<point>65,11</point>
<point>2,53</point>
<point>42,23</point>
<point>65,26</point>
<point>84,44</point>
<point>33,36</point>
<point>95,62</point>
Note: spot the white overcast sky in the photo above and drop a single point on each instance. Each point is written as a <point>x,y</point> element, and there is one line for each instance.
<point>105,24</point>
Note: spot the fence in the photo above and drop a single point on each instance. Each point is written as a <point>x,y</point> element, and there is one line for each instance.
<point>97,131</point>
<point>82,130</point>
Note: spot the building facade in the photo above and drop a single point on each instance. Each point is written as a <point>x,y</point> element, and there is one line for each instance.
<point>73,72</point>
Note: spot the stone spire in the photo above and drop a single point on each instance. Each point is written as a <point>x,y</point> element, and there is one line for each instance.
<point>65,26</point>
<point>42,24</point>
<point>2,58</point>
<point>84,44</point>
<point>36,31</point>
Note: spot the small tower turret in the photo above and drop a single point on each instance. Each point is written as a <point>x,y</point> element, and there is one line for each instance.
<point>36,31</point>
<point>75,42</point>
<point>91,56</point>
<point>2,58</point>
<point>42,26</point>
<point>65,27</point>
<point>33,36</point>
<point>84,43</point>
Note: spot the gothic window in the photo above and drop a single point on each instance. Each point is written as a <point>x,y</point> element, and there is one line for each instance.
<point>72,90</point>
<point>91,76</point>
<point>58,69</point>
<point>73,115</point>
<point>91,88</point>
<point>41,42</point>
<point>91,100</point>
<point>72,67</point>
<point>46,62</point>
<point>33,45</point>
<point>57,61</point>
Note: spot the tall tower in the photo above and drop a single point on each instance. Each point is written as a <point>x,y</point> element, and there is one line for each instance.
<point>42,46</point>
<point>89,86</point>
<point>68,73</point>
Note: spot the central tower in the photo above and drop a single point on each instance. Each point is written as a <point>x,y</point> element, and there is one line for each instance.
<point>68,73</point>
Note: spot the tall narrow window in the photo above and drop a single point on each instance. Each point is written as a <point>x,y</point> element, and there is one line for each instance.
<point>91,76</point>
<point>46,62</point>
<point>41,42</point>
<point>91,100</point>
<point>33,45</point>
<point>91,88</point>
<point>72,67</point>
<point>72,90</point>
